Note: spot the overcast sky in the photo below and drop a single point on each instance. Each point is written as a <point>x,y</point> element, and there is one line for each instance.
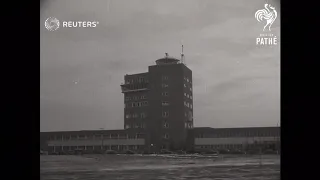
<point>236,83</point>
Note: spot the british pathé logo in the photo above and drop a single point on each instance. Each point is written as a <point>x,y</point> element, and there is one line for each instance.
<point>267,15</point>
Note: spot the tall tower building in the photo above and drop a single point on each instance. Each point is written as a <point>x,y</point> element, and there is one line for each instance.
<point>159,104</point>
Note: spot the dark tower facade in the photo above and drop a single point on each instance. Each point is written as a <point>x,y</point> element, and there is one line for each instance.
<point>159,104</point>
<point>135,90</point>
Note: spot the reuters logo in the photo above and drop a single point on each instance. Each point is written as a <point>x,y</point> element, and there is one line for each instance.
<point>52,24</point>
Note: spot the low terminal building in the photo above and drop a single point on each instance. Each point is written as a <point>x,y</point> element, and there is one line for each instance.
<point>243,139</point>
<point>95,140</point>
<point>198,138</point>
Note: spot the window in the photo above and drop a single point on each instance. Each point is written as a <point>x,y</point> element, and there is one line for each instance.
<point>191,125</point>
<point>166,136</point>
<point>135,115</point>
<point>114,136</point>
<point>184,85</point>
<point>187,104</point>
<point>190,97</point>
<point>165,94</point>
<point>128,116</point>
<point>127,126</point>
<point>81,137</point>
<point>185,114</point>
<point>190,89</point>
<point>165,103</point>
<point>165,114</point>
<point>127,82</point>
<point>143,115</point>
<point>106,136</point>
<point>66,137</point>
<point>166,125</point>
<point>135,98</point>
<point>187,80</point>
<point>143,97</point>
<point>52,138</point>
<point>191,106</point>
<point>165,77</point>
<point>128,98</point>
<point>165,85</point>
<point>137,125</point>
<point>145,103</point>
<point>59,138</point>
<point>185,94</point>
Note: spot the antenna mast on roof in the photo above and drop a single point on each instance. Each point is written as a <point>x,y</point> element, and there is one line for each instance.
<point>182,55</point>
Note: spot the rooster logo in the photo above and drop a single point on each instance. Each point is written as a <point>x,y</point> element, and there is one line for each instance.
<point>269,16</point>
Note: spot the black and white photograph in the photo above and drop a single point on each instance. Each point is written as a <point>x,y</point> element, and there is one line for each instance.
<point>160,89</point>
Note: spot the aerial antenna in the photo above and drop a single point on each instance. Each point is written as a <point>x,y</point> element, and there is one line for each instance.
<point>182,55</point>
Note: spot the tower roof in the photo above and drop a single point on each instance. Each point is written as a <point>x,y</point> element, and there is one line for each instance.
<point>167,60</point>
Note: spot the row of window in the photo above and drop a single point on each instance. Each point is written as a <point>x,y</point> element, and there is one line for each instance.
<point>188,125</point>
<point>136,115</point>
<point>105,136</point>
<point>239,134</point>
<point>137,80</point>
<point>165,94</point>
<point>165,103</point>
<point>232,146</point>
<point>186,79</point>
<point>186,114</point>
<point>186,86</point>
<point>220,146</point>
<point>166,136</point>
<point>144,115</point>
<point>135,125</point>
<point>164,85</point>
<point>165,114</point>
<point>136,104</point>
<point>166,125</point>
<point>165,77</point>
<point>188,104</point>
<point>188,96</point>
<point>142,125</point>
<point>105,147</point>
<point>145,103</point>
<point>135,97</point>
